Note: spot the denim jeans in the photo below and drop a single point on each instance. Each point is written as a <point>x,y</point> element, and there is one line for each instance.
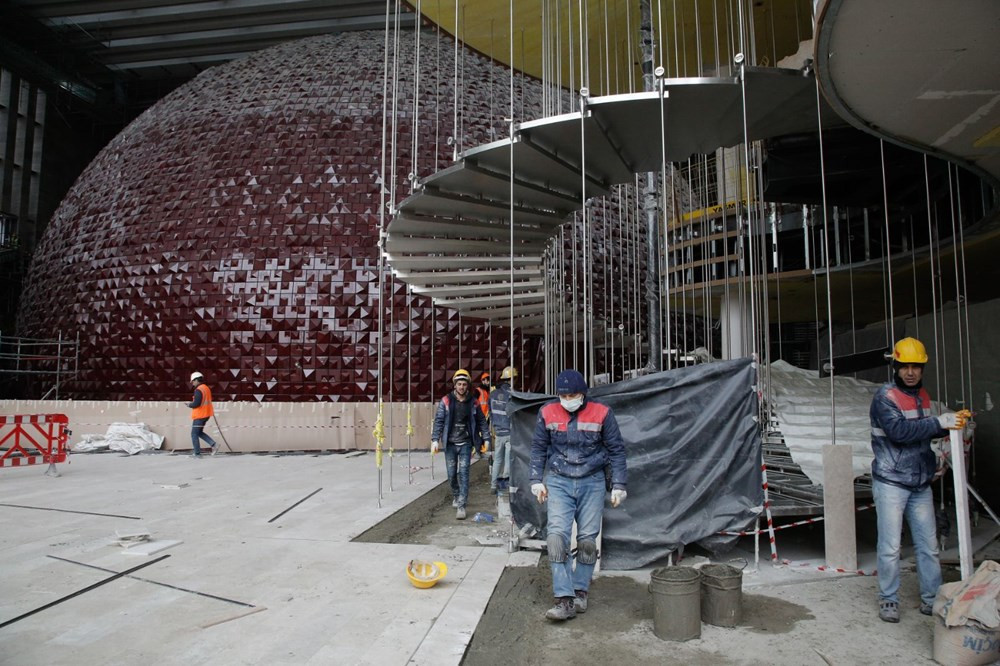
<point>581,500</point>
<point>892,503</point>
<point>501,459</point>
<point>198,431</point>
<point>457,458</point>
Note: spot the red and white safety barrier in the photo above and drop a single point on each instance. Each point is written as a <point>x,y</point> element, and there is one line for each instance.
<point>785,527</point>
<point>33,438</point>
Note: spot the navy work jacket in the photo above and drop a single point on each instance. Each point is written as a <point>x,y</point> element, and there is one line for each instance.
<point>578,444</point>
<point>902,430</point>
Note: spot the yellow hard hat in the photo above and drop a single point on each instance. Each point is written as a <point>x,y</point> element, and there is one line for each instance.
<point>425,574</point>
<point>461,373</point>
<point>509,372</point>
<point>909,350</point>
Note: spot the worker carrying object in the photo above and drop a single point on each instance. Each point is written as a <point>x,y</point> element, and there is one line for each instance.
<point>459,426</point>
<point>902,471</point>
<point>201,412</point>
<point>575,438</point>
<point>500,422</point>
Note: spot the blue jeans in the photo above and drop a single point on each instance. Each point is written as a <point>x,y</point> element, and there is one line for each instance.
<point>581,500</point>
<point>457,458</point>
<point>892,503</point>
<point>501,459</point>
<point>198,432</point>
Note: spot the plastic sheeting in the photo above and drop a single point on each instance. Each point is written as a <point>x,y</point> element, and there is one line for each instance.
<point>130,438</point>
<point>694,460</point>
<point>801,402</point>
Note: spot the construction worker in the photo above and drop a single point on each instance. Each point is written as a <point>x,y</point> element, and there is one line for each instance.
<point>201,412</point>
<point>500,422</point>
<point>483,396</point>
<point>575,438</point>
<point>460,426</point>
<point>902,471</point>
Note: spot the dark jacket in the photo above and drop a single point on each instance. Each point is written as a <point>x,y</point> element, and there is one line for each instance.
<point>578,444</point>
<point>442,421</point>
<point>902,430</point>
<point>498,409</point>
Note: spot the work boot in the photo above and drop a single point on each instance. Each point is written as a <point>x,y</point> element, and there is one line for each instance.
<point>562,610</point>
<point>926,609</point>
<point>888,611</point>
<point>196,455</point>
<point>580,601</point>
<point>460,514</point>
<point>454,503</point>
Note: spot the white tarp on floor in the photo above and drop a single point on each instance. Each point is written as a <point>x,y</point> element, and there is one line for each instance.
<point>801,402</point>
<point>130,438</point>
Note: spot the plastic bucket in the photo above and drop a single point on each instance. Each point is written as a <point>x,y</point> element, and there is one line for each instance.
<point>676,603</point>
<point>721,595</point>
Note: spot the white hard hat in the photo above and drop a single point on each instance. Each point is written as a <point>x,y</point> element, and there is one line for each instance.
<point>196,375</point>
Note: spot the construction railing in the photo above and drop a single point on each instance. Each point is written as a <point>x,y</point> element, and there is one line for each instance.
<point>33,438</point>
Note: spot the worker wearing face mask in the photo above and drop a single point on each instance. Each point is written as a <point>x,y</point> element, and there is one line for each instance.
<point>575,438</point>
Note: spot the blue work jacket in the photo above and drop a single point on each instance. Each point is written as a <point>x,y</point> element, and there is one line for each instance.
<point>578,444</point>
<point>902,430</point>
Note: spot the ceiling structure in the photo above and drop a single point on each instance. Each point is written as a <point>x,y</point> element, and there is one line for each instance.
<point>99,50</point>
<point>917,72</point>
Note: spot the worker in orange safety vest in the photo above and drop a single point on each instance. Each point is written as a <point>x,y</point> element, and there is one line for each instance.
<point>201,412</point>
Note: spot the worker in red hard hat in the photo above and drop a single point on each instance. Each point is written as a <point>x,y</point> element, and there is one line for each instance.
<point>201,412</point>
<point>902,470</point>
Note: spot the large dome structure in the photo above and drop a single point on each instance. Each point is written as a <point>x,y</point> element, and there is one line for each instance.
<point>233,229</point>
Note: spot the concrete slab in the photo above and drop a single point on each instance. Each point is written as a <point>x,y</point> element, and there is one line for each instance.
<point>327,600</point>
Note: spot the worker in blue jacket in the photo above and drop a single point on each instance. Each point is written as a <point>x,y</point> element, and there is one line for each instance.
<point>575,439</point>
<point>459,425</point>
<point>902,471</point>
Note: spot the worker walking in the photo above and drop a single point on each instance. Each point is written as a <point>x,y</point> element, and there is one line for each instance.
<point>902,471</point>
<point>500,421</point>
<point>459,425</point>
<point>483,396</point>
<point>575,438</point>
<point>201,412</point>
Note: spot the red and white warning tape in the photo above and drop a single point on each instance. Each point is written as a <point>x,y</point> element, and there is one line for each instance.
<point>823,567</point>
<point>785,527</point>
<point>767,513</point>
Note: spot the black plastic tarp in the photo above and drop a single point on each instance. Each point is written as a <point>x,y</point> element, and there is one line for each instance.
<point>694,460</point>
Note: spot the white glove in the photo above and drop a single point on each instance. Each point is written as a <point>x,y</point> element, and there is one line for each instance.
<point>435,446</point>
<point>951,421</point>
<point>618,496</point>
<point>539,491</point>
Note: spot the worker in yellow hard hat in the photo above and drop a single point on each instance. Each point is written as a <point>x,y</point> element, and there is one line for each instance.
<point>902,470</point>
<point>459,425</point>
<point>500,422</point>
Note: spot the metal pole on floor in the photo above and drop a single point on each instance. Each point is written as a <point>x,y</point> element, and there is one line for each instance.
<point>961,502</point>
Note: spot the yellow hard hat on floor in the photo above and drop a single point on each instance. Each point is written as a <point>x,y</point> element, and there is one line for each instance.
<point>909,350</point>
<point>425,574</point>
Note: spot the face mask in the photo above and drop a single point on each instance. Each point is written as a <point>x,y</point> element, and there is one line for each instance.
<point>571,405</point>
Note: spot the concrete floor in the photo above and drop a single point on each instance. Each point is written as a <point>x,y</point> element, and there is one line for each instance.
<point>297,590</point>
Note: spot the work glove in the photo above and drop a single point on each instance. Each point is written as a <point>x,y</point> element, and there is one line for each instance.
<point>539,491</point>
<point>951,421</point>
<point>618,496</point>
<point>435,446</point>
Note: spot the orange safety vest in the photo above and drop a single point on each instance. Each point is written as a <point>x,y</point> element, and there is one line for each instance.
<point>204,410</point>
<point>484,400</point>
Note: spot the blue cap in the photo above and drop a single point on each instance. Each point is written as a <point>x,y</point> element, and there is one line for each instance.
<point>570,381</point>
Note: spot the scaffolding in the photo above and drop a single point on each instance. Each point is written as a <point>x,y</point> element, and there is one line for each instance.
<point>42,357</point>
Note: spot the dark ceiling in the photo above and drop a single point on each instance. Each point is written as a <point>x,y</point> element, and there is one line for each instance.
<point>117,57</point>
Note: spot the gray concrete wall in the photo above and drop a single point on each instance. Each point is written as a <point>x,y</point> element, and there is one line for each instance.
<point>248,427</point>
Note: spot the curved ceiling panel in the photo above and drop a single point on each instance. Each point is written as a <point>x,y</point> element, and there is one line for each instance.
<point>921,73</point>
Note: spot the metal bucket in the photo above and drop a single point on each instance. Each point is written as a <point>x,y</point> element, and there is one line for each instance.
<point>721,595</point>
<point>676,603</point>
